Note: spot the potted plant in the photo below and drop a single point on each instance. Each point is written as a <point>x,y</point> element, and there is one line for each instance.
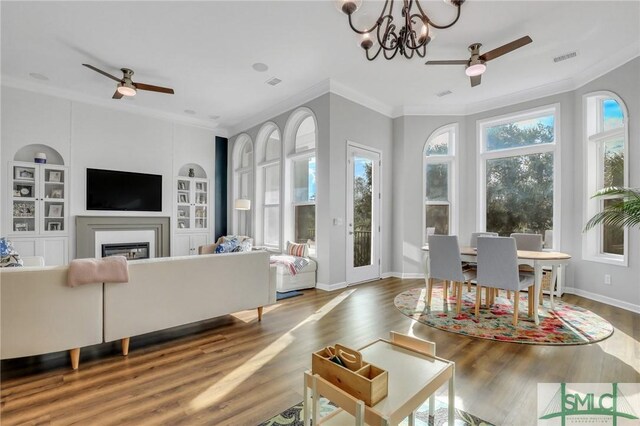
<point>624,212</point>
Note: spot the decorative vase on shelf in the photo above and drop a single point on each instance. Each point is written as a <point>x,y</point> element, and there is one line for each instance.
<point>40,158</point>
<point>192,173</point>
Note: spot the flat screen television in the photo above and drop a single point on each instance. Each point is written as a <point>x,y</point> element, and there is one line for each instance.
<point>123,191</point>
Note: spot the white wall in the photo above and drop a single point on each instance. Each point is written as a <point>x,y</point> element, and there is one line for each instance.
<point>89,136</point>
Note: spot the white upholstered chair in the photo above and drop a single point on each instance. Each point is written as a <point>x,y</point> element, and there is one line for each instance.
<point>445,264</point>
<point>498,268</point>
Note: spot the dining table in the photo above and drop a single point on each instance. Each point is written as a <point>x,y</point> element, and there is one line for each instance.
<point>536,259</point>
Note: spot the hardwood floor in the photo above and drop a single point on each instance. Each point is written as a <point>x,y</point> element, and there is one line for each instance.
<point>236,371</point>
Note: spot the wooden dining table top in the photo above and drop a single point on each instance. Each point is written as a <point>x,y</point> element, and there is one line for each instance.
<point>522,254</point>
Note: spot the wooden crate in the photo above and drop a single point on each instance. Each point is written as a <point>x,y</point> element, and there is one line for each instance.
<point>360,379</point>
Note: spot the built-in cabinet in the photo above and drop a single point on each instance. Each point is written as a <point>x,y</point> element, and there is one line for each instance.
<point>38,210</point>
<point>192,221</point>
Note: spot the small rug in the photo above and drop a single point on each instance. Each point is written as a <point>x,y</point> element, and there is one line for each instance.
<point>294,416</point>
<point>288,294</point>
<point>567,325</point>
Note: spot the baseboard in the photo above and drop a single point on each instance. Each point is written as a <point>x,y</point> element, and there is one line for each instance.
<point>402,275</point>
<point>603,299</point>
<point>331,287</point>
<point>412,275</point>
<point>387,275</point>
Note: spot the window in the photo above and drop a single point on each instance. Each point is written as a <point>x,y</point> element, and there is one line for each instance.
<point>242,182</point>
<point>300,218</point>
<point>519,186</point>
<point>439,188</point>
<point>268,195</point>
<point>606,137</point>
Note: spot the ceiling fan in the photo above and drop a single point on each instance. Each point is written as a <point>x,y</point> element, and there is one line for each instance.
<point>475,66</point>
<point>126,87</point>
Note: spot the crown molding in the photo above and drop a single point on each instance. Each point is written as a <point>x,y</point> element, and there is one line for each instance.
<point>360,98</point>
<point>615,60</point>
<point>74,96</point>
<point>280,108</point>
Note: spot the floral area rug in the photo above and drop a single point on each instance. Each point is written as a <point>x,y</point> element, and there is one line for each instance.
<point>294,416</point>
<point>566,325</point>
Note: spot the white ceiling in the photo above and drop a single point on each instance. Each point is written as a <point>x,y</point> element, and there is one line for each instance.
<point>204,50</point>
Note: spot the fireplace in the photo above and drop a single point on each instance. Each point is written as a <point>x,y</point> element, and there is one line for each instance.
<point>131,251</point>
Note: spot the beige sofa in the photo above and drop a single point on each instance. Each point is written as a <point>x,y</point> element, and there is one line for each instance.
<point>40,314</point>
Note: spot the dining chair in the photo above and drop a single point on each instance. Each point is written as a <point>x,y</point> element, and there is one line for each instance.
<point>445,264</point>
<point>474,237</point>
<point>498,268</point>
<point>529,242</point>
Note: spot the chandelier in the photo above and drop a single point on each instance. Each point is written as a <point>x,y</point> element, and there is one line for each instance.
<point>390,40</point>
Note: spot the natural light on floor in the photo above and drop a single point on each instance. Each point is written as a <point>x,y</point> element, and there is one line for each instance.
<point>232,380</point>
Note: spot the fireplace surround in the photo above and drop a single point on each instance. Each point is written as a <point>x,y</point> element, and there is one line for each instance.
<point>88,226</point>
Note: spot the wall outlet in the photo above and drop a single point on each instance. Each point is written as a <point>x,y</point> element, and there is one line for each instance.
<point>607,279</point>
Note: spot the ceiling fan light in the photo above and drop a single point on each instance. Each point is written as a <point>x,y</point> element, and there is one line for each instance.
<point>126,90</point>
<point>475,69</point>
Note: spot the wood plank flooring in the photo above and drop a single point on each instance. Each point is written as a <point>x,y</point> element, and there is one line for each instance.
<point>235,371</point>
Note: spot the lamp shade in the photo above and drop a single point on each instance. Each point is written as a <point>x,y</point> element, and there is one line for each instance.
<point>242,204</point>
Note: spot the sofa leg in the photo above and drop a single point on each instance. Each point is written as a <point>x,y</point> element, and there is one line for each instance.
<point>260,313</point>
<point>75,358</point>
<point>125,346</point>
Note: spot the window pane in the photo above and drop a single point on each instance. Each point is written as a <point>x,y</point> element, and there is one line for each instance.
<point>272,150</point>
<point>244,185</point>
<point>438,145</point>
<point>246,156</point>
<point>437,182</point>
<point>362,212</point>
<point>305,225</point>
<point>438,219</point>
<point>612,236</point>
<point>611,115</point>
<point>304,180</point>
<point>613,162</point>
<point>272,226</point>
<point>520,194</point>
<point>272,184</point>
<point>306,135</point>
<point>517,134</point>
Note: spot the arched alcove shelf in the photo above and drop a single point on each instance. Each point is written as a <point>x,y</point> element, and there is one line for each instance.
<point>197,169</point>
<point>27,153</point>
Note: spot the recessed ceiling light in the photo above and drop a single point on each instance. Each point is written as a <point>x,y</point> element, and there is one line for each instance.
<point>260,67</point>
<point>189,111</point>
<point>39,76</point>
<point>214,117</point>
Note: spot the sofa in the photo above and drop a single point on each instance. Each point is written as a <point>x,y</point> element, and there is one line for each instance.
<point>41,314</point>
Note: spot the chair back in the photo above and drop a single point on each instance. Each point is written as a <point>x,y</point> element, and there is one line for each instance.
<point>444,258</point>
<point>474,237</point>
<point>498,263</point>
<point>207,249</point>
<point>529,242</point>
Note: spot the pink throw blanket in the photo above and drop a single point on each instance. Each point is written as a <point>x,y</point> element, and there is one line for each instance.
<point>293,263</point>
<point>111,269</point>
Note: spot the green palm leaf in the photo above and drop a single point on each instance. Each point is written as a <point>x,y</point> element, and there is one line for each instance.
<point>625,211</point>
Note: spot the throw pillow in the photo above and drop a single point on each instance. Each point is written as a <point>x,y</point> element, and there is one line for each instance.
<point>227,247</point>
<point>8,256</point>
<point>299,250</point>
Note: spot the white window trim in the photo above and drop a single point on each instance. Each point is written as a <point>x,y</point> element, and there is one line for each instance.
<point>239,144</point>
<point>287,225</point>
<point>592,240</point>
<point>453,160</point>
<point>262,139</point>
<point>483,155</point>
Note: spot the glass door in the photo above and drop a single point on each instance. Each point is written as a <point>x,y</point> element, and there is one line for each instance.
<point>24,199</point>
<point>201,200</point>
<point>184,203</point>
<point>363,226</point>
<point>53,198</point>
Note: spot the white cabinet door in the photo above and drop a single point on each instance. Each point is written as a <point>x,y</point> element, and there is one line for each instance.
<point>25,247</point>
<point>197,241</point>
<point>54,251</point>
<point>181,245</point>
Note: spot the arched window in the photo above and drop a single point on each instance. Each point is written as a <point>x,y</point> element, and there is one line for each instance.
<point>268,151</point>
<point>439,182</point>
<point>242,183</point>
<point>300,178</point>
<point>606,139</point>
